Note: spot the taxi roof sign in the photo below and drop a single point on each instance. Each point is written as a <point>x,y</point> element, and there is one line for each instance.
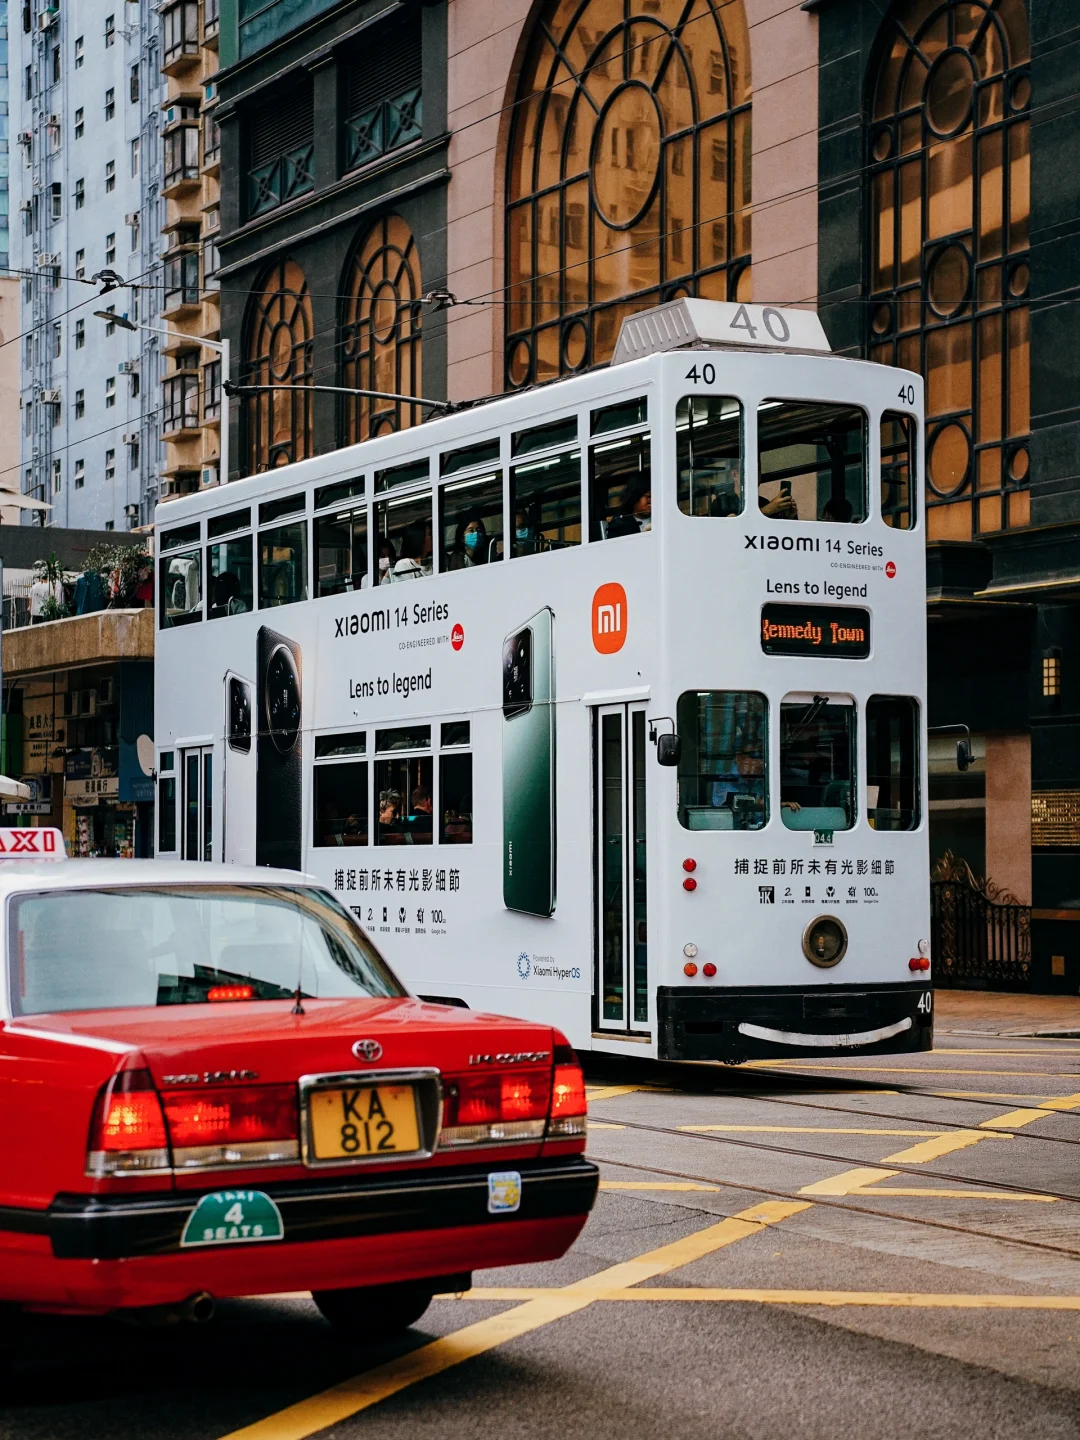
<point>32,842</point>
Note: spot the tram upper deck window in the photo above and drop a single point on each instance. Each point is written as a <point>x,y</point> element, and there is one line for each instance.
<point>898,434</point>
<point>545,503</point>
<point>283,564</point>
<point>811,461</point>
<point>817,762</point>
<point>708,449</point>
<point>620,477</point>
<point>892,762</point>
<point>230,577</point>
<point>180,578</point>
<point>722,768</point>
<point>341,555</point>
<point>471,522</point>
<point>402,539</point>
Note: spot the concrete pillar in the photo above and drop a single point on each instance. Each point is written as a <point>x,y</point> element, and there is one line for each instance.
<point>1008,813</point>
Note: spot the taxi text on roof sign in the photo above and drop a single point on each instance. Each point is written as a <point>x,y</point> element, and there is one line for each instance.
<point>27,842</point>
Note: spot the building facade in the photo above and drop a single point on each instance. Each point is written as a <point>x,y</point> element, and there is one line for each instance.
<point>460,199</point>
<point>86,203</point>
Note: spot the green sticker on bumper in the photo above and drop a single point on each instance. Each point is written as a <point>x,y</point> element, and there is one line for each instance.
<point>233,1217</point>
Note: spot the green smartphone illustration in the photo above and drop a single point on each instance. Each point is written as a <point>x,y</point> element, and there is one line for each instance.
<point>528,769</point>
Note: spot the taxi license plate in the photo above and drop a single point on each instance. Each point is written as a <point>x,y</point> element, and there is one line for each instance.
<point>363,1121</point>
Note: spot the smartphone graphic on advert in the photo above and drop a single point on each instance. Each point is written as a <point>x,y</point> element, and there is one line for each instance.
<point>279,770</point>
<point>528,766</point>
<point>238,788</point>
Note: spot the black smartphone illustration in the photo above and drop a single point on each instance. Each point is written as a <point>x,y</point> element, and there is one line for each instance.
<point>279,777</point>
<point>528,753</point>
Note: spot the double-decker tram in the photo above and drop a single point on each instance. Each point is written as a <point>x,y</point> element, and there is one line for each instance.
<point>602,703</point>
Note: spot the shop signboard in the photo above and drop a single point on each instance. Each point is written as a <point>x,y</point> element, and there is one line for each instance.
<point>92,789</point>
<point>40,802</point>
<point>40,732</point>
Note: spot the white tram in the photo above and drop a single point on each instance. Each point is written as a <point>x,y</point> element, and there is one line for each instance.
<point>602,703</point>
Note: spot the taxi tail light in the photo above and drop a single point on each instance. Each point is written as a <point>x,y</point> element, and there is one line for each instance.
<point>232,1125</point>
<point>568,1106</point>
<point>500,1106</point>
<point>127,1129</point>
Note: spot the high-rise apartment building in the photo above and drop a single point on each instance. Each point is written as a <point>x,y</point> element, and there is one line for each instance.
<point>191,384</point>
<point>86,195</point>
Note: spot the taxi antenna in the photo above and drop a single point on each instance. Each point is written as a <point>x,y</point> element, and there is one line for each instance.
<point>298,1008</point>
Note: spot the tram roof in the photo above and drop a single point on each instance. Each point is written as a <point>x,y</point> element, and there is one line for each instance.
<point>717,324</point>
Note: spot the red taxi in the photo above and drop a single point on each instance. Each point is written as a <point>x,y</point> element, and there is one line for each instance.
<point>211,1084</point>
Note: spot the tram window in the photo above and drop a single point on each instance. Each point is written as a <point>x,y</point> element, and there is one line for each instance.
<point>722,767</point>
<point>898,433</point>
<point>282,565</point>
<point>338,493</point>
<point>620,488</point>
<point>176,539</point>
<point>405,737</point>
<point>455,732</point>
<point>166,807</point>
<point>341,552</point>
<point>619,417</point>
<point>330,747</point>
<point>817,762</point>
<point>341,804</point>
<point>403,800</point>
<point>230,578</point>
<point>219,525</point>
<point>892,762</point>
<point>811,461</point>
<point>708,447</point>
<point>286,505</point>
<point>455,799</point>
<point>545,502</point>
<point>486,452</point>
<point>403,538</point>
<point>544,437</point>
<point>471,522</point>
<point>401,474</point>
<point>180,589</point>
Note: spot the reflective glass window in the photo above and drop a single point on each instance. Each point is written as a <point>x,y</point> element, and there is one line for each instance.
<point>455,799</point>
<point>283,565</point>
<point>811,461</point>
<point>817,762</point>
<point>892,762</point>
<point>723,780</point>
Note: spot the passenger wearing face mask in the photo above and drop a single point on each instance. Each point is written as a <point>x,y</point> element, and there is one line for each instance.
<point>526,540</point>
<point>387,557</point>
<point>470,543</point>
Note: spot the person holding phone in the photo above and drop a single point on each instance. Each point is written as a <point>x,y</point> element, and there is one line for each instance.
<point>782,506</point>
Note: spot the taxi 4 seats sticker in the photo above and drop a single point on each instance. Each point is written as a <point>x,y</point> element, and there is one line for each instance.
<point>232,1217</point>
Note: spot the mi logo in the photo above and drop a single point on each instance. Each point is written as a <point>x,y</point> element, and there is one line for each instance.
<point>609,619</point>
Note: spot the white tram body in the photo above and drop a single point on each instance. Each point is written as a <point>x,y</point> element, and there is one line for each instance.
<point>719,541</point>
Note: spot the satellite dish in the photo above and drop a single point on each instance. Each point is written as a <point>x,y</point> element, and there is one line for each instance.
<point>144,749</point>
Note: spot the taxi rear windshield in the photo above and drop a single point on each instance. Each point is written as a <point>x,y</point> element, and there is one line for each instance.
<point>187,945</point>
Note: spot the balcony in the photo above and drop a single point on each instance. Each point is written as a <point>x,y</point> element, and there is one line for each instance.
<point>181,283</point>
<point>181,160</point>
<point>180,411</point>
<point>211,23</point>
<point>179,36</point>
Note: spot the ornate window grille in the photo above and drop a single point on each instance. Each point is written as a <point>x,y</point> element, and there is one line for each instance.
<point>279,337</point>
<point>948,167</point>
<point>380,339</point>
<point>629,173</point>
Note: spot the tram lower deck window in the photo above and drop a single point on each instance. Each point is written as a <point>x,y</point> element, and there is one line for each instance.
<point>892,762</point>
<point>341,803</point>
<point>817,762</point>
<point>723,784</point>
<point>811,461</point>
<point>403,797</point>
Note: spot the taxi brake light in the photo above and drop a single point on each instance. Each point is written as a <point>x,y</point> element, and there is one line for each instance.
<point>568,1105</point>
<point>231,1124</point>
<point>127,1129</point>
<point>230,992</point>
<point>499,1106</point>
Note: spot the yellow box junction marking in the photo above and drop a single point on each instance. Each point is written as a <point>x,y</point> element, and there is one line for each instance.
<point>796,1130</point>
<point>332,1406</point>
<point>1016,1118</point>
<point>653,1185</point>
<point>875,1298</point>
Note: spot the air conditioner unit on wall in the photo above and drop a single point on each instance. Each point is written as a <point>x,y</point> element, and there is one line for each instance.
<point>25,207</point>
<point>47,19</point>
<point>50,397</point>
<point>131,218</point>
<point>130,437</point>
<point>53,122</point>
<point>44,260</point>
<point>127,367</point>
<point>209,475</point>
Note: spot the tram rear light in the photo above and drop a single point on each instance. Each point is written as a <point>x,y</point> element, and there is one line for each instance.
<point>689,864</point>
<point>709,969</point>
<point>127,1130</point>
<point>689,969</point>
<point>919,962</point>
<point>689,883</point>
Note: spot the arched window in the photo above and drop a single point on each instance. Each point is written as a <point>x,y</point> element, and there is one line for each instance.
<point>380,331</point>
<point>278,352</point>
<point>629,173</point>
<point>949,263</point>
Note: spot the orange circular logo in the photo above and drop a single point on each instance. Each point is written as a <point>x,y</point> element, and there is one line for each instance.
<point>609,619</point>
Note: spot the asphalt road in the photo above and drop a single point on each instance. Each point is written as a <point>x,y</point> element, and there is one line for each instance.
<point>840,1248</point>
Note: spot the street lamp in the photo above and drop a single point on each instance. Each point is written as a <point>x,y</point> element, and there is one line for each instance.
<point>222,349</point>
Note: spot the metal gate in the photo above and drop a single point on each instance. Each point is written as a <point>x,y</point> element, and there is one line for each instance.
<point>980,935</point>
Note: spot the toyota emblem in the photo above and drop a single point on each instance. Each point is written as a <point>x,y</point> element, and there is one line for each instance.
<point>367,1049</point>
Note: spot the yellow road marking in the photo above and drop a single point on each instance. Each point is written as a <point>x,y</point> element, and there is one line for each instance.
<point>652,1185</point>
<point>943,1145</point>
<point>599,1125</point>
<point>901,1069</point>
<point>338,1403</point>
<point>1015,1118</point>
<point>961,1194</point>
<point>797,1130</point>
<point>611,1092</point>
<point>876,1298</point>
<point>848,1183</point>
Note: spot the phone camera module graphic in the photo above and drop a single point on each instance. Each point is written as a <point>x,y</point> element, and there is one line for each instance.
<point>283,700</point>
<point>528,695</point>
<point>517,673</point>
<point>239,715</point>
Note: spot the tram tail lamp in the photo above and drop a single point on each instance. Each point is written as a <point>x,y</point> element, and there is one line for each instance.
<point>689,883</point>
<point>708,970</point>
<point>689,865</point>
<point>918,962</point>
<point>689,969</point>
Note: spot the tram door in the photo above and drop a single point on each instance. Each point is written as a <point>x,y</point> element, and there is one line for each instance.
<point>197,778</point>
<point>619,872</point>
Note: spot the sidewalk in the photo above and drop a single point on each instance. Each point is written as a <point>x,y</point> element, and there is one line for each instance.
<point>985,1012</point>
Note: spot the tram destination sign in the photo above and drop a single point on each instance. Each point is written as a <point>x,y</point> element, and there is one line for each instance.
<point>838,630</point>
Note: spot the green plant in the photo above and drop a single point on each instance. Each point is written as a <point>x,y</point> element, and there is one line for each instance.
<point>123,568</point>
<point>53,609</point>
<point>50,570</point>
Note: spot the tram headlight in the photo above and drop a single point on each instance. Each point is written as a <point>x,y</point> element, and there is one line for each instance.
<point>824,941</point>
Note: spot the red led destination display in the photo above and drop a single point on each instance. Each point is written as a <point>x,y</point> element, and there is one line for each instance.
<point>837,630</point>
